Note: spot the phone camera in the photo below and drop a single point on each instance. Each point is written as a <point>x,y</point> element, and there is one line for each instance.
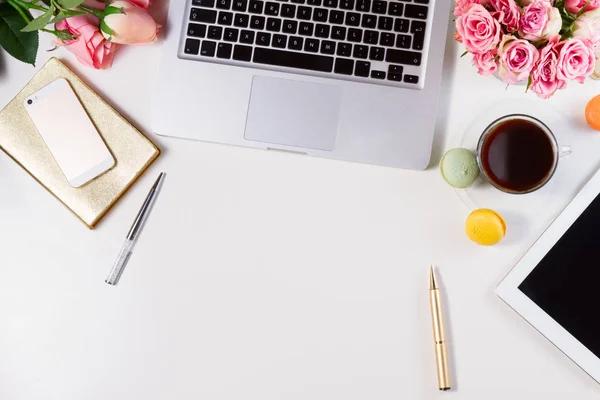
<point>30,102</point>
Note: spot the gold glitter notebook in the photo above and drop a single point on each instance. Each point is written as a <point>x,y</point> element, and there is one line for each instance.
<point>132,151</point>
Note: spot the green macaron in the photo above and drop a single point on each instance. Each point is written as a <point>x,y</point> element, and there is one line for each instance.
<point>459,168</point>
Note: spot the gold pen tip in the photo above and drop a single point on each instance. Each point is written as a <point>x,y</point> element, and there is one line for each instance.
<point>432,280</point>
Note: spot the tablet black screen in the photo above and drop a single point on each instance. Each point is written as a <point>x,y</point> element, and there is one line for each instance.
<point>566,283</point>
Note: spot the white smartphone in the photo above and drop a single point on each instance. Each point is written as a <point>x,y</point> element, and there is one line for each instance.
<point>68,132</point>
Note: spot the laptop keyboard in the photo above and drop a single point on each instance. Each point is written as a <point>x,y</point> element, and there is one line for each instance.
<point>361,40</point>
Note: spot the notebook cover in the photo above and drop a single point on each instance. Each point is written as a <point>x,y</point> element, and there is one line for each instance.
<point>132,151</point>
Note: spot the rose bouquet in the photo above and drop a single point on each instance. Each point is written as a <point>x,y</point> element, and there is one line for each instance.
<point>92,30</point>
<point>545,43</point>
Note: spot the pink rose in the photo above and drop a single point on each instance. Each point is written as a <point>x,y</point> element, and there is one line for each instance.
<point>528,2</point>
<point>576,59</point>
<point>132,25</point>
<point>89,46</point>
<point>517,58</point>
<point>507,12</point>
<point>544,77</point>
<point>485,63</point>
<point>479,30</point>
<point>539,21</point>
<point>587,26</point>
<point>462,6</point>
<point>574,6</point>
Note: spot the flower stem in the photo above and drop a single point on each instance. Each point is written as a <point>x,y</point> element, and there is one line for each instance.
<point>93,11</point>
<point>27,5</point>
<point>19,10</point>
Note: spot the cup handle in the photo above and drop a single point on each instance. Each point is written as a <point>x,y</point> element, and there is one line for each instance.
<point>564,151</point>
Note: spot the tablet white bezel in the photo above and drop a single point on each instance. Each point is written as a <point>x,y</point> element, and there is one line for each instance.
<point>508,289</point>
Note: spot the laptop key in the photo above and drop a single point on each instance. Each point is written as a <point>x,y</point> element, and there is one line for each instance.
<point>385,23</point>
<point>256,6</point>
<point>377,74</point>
<point>257,22</point>
<point>247,37</point>
<point>288,11</point>
<point>418,30</point>
<point>203,3</point>
<point>417,12</point>
<point>192,46</point>
<point>215,32</point>
<point>371,37</point>
<point>360,51</point>
<point>282,58</point>
<point>330,3</point>
<point>322,31</point>
<point>299,1</point>
<point>231,35</point>
<point>344,49</point>
<point>208,48</point>
<point>395,69</point>
<point>224,50</point>
<point>224,4</point>
<point>263,39</point>
<point>306,28</point>
<point>203,15</point>
<point>320,15</point>
<point>304,13</point>
<point>327,47</point>
<point>379,7</point>
<point>363,5</point>
<point>196,30</point>
<point>362,69</point>
<point>352,19</point>
<point>241,20</point>
<point>396,9</point>
<point>403,57</point>
<point>242,53</point>
<point>403,41</point>
<point>376,53</point>
<point>311,45</point>
<point>239,5</point>
<point>273,24</point>
<point>279,41</point>
<point>401,25</point>
<point>336,17</point>
<point>368,21</point>
<point>290,26</point>
<point>394,77</point>
<point>343,66</point>
<point>411,79</point>
<point>387,39</point>
<point>295,43</point>
<point>354,35</point>
<point>272,9</point>
<point>225,18</point>
<point>338,32</point>
<point>347,4</point>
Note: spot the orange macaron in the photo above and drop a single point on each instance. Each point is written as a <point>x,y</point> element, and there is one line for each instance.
<point>592,113</point>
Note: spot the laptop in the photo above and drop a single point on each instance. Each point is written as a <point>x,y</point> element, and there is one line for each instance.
<point>354,80</point>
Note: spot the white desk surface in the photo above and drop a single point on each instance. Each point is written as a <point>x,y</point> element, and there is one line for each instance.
<point>264,275</point>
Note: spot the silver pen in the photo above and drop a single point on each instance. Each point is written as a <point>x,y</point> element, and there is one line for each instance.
<point>134,232</point>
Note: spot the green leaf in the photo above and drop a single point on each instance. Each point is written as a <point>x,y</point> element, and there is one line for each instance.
<point>529,81</point>
<point>66,14</point>
<point>464,54</point>
<point>70,3</point>
<point>21,45</point>
<point>105,28</point>
<point>40,22</point>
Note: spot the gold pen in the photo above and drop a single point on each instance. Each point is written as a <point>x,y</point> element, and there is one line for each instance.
<point>439,336</point>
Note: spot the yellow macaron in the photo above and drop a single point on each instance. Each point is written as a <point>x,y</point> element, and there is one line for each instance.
<point>485,227</point>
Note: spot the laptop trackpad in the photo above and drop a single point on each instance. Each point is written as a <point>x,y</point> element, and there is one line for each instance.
<point>293,113</point>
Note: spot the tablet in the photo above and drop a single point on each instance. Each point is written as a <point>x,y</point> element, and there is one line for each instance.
<point>555,285</point>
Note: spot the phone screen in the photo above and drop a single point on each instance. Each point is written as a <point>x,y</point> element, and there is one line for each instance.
<point>70,135</point>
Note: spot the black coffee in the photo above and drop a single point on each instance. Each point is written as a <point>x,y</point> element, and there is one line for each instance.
<point>518,155</point>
